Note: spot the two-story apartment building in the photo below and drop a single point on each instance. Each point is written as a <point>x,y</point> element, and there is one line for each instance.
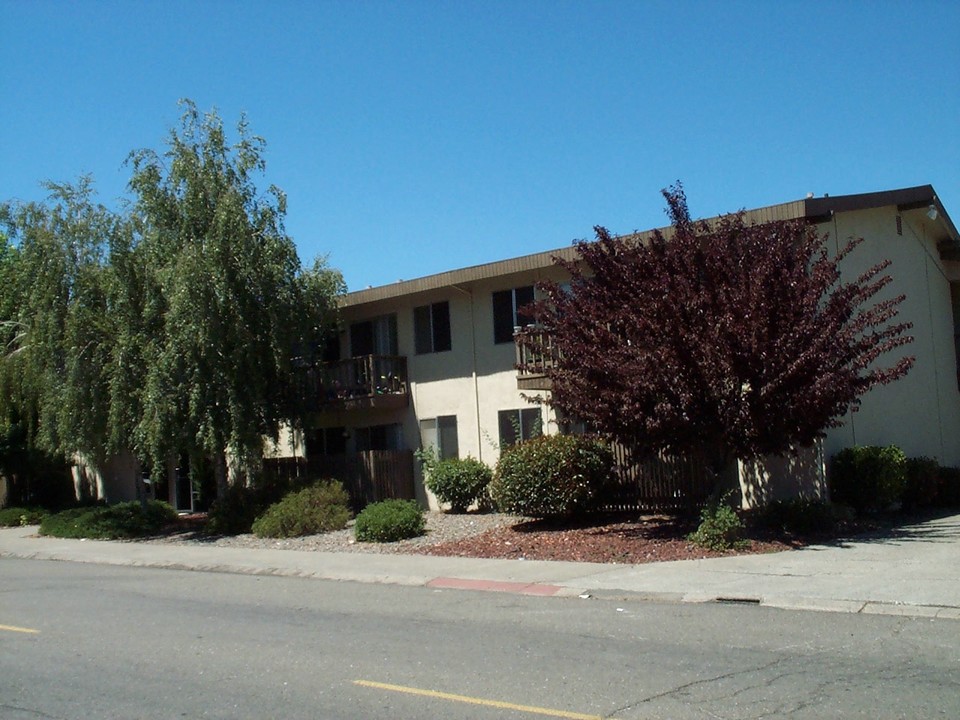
<point>431,361</point>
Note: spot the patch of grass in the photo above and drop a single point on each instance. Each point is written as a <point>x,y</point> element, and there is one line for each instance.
<point>114,522</point>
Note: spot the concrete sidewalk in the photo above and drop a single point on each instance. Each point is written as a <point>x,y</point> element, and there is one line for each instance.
<point>912,571</point>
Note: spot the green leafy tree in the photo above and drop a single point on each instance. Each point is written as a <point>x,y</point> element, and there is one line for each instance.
<point>226,303</point>
<point>174,328</point>
<point>57,328</point>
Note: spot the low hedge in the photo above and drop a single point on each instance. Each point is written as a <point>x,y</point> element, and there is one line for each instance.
<point>868,478</point>
<point>922,483</point>
<point>16,516</point>
<point>112,522</point>
<point>948,487</point>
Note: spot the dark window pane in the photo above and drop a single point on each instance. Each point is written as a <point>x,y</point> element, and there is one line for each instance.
<point>503,316</point>
<point>331,346</point>
<point>361,339</point>
<point>336,441</point>
<point>530,424</point>
<point>447,437</point>
<point>523,297</point>
<point>314,443</point>
<point>422,335</point>
<point>441,327</point>
<point>362,439</point>
<point>508,421</point>
<point>387,335</point>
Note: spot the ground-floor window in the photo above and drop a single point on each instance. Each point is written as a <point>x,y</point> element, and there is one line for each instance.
<point>379,437</point>
<point>441,433</point>
<point>519,425</point>
<point>326,441</point>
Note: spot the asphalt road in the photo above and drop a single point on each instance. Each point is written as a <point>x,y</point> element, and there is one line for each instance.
<point>89,641</point>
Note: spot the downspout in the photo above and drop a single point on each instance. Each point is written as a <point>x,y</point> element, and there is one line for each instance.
<point>476,385</point>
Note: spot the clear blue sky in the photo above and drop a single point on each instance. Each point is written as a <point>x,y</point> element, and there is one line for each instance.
<point>417,137</point>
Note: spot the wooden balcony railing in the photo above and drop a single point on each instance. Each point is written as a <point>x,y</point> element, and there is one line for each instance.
<point>365,381</point>
<point>534,358</point>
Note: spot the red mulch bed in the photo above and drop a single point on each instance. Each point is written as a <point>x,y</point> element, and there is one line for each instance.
<point>616,538</point>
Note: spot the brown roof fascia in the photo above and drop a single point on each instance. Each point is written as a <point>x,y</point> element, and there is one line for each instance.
<point>810,209</point>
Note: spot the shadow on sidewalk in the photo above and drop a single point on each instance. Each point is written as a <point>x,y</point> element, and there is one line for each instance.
<point>941,525</point>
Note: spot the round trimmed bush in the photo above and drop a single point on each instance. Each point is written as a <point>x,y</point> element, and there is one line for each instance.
<point>551,475</point>
<point>389,521</point>
<point>316,509</point>
<point>868,478</point>
<point>459,482</point>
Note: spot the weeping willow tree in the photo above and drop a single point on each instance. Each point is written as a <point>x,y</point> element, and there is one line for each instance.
<point>226,301</point>
<point>57,326</point>
<point>171,329</point>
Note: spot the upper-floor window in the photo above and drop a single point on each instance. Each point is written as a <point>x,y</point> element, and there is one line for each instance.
<point>507,305</point>
<point>431,328</point>
<point>377,336</point>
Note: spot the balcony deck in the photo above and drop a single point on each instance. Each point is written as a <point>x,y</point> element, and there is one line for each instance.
<point>532,366</point>
<point>368,381</point>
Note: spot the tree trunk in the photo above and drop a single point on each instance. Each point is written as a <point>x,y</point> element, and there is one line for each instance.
<point>220,473</point>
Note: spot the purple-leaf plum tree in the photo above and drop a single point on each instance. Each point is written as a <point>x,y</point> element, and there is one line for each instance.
<point>728,339</point>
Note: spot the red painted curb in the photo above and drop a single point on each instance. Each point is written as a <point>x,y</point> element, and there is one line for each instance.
<point>493,586</point>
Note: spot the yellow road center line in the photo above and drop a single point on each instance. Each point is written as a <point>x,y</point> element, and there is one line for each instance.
<point>12,628</point>
<point>477,701</point>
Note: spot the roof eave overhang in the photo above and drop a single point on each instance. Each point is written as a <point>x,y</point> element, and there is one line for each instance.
<point>811,209</point>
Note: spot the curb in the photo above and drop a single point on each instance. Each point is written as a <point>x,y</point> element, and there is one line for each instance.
<point>535,588</point>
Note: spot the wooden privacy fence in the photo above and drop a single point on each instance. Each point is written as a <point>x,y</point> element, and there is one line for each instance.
<point>368,476</point>
<point>657,483</point>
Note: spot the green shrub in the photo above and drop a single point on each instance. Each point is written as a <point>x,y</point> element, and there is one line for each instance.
<point>720,527</point>
<point>922,482</point>
<point>551,475</point>
<point>235,510</point>
<point>948,489</point>
<point>459,482</point>
<point>799,517</point>
<point>868,478</point>
<point>125,520</point>
<point>16,516</point>
<point>319,508</point>
<point>389,521</point>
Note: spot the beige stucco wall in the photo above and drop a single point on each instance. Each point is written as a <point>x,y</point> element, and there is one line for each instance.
<point>920,412</point>
<point>113,480</point>
<point>476,379</point>
<point>802,475</point>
